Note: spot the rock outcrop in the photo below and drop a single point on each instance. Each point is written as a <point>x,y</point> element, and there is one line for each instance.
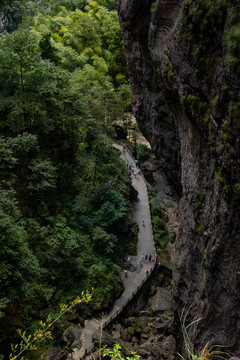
<point>148,335</point>
<point>72,336</point>
<point>161,301</point>
<point>183,65</point>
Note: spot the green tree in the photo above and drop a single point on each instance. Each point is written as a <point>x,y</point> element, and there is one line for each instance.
<point>103,242</point>
<point>48,51</point>
<point>19,54</point>
<point>18,264</point>
<point>7,161</point>
<point>30,85</point>
<point>42,175</point>
<point>3,303</point>
<point>23,146</point>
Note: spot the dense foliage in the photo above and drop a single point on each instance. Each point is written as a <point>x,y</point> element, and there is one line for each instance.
<point>63,188</point>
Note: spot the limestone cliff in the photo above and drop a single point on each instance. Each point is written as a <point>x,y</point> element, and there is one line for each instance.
<point>183,62</point>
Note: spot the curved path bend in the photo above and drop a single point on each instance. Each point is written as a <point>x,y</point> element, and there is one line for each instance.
<point>145,245</point>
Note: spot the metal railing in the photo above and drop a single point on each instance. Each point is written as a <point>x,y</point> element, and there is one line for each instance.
<point>148,274</point>
<point>119,311</point>
<point>149,212</point>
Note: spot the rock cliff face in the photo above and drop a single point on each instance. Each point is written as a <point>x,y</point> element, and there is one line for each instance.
<point>183,61</point>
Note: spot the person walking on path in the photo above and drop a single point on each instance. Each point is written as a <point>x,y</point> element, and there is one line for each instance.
<point>150,258</point>
<point>146,257</point>
<point>132,167</point>
<point>143,222</point>
<point>132,280</point>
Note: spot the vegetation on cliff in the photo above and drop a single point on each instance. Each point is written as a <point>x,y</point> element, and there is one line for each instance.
<point>63,187</point>
<point>210,33</point>
<point>160,232</point>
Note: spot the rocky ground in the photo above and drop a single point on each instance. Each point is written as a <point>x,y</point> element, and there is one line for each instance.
<point>148,332</point>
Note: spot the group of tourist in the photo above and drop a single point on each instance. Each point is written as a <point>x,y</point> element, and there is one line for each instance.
<point>131,168</point>
<point>135,171</point>
<point>144,259</point>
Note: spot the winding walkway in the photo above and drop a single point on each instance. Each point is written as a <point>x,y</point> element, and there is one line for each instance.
<point>135,279</point>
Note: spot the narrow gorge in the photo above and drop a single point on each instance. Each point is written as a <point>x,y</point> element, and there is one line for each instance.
<point>183,63</point>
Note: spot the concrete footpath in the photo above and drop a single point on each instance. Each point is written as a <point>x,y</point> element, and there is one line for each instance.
<point>134,279</point>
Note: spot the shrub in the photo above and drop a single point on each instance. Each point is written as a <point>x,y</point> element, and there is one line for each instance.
<point>206,352</point>
<point>237,190</point>
<point>200,230</point>
<point>160,232</point>
<point>199,198</point>
<point>232,45</point>
<point>143,152</point>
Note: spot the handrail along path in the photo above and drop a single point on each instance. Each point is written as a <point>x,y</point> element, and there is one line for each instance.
<point>135,280</point>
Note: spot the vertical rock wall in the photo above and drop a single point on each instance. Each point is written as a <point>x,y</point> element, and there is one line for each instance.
<point>176,108</point>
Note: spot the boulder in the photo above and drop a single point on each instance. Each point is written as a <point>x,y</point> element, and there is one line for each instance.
<point>168,347</point>
<point>147,346</point>
<point>53,354</point>
<point>156,338</point>
<point>117,327</point>
<point>126,346</point>
<point>162,326</point>
<point>140,323</point>
<point>106,339</point>
<point>117,330</point>
<point>71,334</point>
<point>143,353</point>
<point>135,340</point>
<point>125,335</point>
<point>161,301</point>
<point>116,334</point>
<point>131,330</point>
<point>77,343</point>
<point>151,348</point>
<point>144,337</point>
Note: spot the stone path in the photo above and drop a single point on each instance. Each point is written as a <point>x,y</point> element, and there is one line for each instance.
<point>145,246</point>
